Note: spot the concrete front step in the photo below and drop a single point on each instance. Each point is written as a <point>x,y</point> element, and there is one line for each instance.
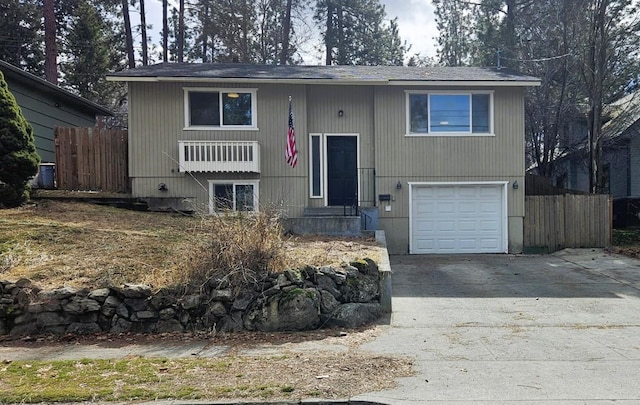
<point>324,225</point>
<point>329,212</point>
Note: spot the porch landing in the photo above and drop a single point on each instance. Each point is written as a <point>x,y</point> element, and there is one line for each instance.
<point>332,221</point>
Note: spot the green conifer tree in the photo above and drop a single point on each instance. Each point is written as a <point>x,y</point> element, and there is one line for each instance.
<point>18,158</point>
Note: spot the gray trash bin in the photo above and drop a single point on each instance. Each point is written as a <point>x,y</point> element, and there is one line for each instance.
<point>47,176</point>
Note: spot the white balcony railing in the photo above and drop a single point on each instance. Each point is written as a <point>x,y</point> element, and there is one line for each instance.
<point>219,156</point>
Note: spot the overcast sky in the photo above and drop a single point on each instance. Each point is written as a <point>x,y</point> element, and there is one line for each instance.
<point>415,20</point>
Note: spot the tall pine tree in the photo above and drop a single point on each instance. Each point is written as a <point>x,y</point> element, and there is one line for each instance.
<point>21,36</point>
<point>93,49</point>
<point>356,32</point>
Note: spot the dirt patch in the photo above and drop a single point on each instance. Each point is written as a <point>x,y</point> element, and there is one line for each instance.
<point>629,251</point>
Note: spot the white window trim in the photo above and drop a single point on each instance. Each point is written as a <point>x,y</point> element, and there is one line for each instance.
<point>222,127</point>
<point>324,185</point>
<point>322,152</point>
<point>256,192</point>
<point>429,93</point>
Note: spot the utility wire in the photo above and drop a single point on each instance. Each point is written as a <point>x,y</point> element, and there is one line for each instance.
<point>537,60</point>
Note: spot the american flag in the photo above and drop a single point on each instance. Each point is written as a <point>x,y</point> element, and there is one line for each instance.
<point>291,153</point>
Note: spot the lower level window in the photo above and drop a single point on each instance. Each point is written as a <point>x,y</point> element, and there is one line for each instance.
<point>233,195</point>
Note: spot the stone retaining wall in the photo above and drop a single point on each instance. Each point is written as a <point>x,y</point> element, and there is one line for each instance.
<point>305,299</point>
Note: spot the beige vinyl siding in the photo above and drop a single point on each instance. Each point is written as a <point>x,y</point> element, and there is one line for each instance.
<point>453,156</point>
<point>449,158</point>
<point>356,102</point>
<point>156,124</point>
<point>376,113</point>
<point>324,103</point>
<point>430,158</point>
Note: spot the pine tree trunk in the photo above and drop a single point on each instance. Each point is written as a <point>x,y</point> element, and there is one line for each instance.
<point>165,31</point>
<point>180,36</point>
<point>51,52</point>
<point>205,33</point>
<point>329,35</point>
<point>143,31</point>
<point>129,37</point>
<point>342,58</point>
<point>286,32</point>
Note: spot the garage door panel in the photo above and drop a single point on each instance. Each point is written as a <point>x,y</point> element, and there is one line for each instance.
<point>489,244</point>
<point>489,226</point>
<point>467,207</point>
<point>446,244</point>
<point>457,219</point>
<point>425,207</point>
<point>445,226</point>
<point>467,226</point>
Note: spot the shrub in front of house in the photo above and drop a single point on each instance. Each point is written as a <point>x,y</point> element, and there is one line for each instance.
<point>18,158</point>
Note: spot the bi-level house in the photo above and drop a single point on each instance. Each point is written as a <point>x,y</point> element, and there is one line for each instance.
<point>435,155</point>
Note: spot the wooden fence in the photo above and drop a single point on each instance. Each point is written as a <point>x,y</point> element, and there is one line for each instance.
<point>562,221</point>
<point>91,159</point>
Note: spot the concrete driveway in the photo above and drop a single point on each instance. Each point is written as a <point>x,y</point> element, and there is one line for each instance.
<point>486,329</point>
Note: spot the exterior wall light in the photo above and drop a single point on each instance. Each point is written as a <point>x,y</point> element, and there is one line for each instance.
<point>399,186</point>
<point>162,187</point>
<point>341,113</point>
<point>515,185</point>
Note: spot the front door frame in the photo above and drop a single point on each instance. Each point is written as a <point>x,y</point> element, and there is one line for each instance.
<point>325,163</point>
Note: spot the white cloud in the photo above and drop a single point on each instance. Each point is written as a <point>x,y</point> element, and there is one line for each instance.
<point>416,23</point>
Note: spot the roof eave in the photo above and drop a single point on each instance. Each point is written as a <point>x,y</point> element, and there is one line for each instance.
<point>26,76</point>
<point>465,83</point>
<point>447,83</point>
<point>183,79</point>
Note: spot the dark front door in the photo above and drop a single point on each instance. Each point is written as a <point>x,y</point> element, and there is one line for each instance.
<point>342,170</point>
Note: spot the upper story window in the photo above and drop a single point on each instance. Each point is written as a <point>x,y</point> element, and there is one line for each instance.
<point>220,108</point>
<point>449,113</point>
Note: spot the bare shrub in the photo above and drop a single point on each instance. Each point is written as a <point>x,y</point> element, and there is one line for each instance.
<point>238,249</point>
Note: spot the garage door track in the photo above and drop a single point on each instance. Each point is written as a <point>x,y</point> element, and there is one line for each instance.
<point>526,329</point>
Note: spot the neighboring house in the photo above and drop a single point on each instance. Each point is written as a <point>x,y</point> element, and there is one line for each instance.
<point>620,163</point>
<point>437,153</point>
<point>46,106</point>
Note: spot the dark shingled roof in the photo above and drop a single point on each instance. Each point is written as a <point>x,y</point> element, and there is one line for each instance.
<point>14,72</point>
<point>335,73</point>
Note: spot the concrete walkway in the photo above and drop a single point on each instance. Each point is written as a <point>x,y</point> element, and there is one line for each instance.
<point>487,329</point>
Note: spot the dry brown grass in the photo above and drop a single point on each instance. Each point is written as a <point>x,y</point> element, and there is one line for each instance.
<point>83,245</point>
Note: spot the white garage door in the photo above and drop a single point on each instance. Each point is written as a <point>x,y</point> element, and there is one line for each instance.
<point>458,219</point>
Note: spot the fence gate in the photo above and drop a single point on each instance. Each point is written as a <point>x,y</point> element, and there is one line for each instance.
<point>567,221</point>
<point>91,159</point>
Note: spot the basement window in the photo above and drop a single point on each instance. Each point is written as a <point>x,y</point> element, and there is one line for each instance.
<point>236,195</point>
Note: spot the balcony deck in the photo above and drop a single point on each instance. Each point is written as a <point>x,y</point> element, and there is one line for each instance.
<point>219,156</point>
